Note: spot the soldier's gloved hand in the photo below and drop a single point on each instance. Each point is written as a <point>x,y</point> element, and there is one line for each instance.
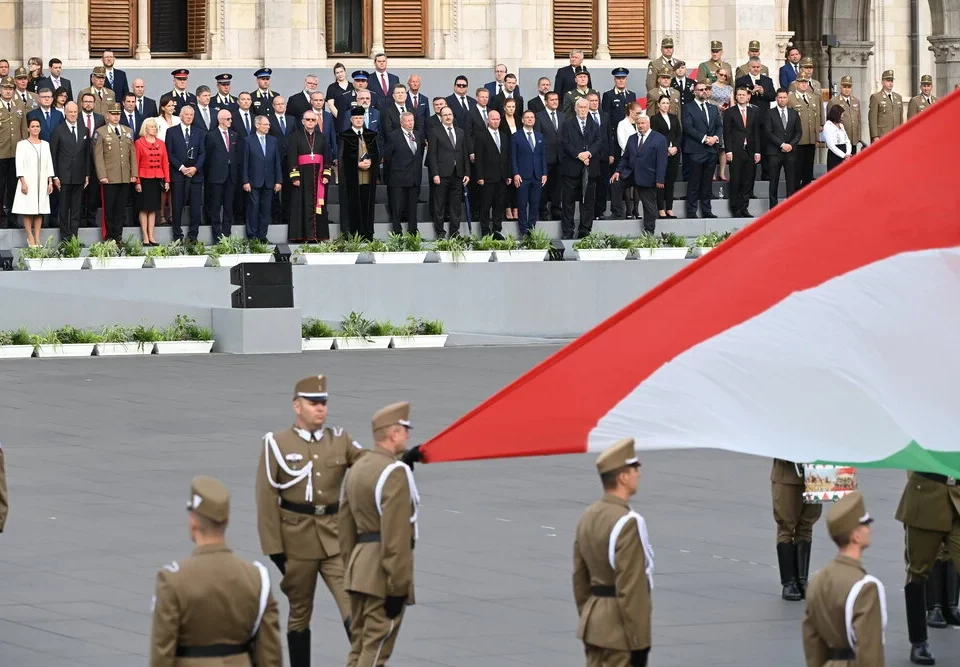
<point>280,560</point>
<point>394,605</point>
<point>412,456</point>
<point>639,658</point>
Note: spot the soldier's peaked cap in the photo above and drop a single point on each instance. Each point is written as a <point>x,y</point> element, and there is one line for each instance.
<point>806,62</point>
<point>618,455</point>
<point>182,72</point>
<point>926,78</point>
<point>21,73</point>
<point>360,75</point>
<point>580,69</point>
<point>263,73</point>
<point>100,70</point>
<point>209,498</point>
<point>7,82</point>
<point>393,414</point>
<point>716,45</point>
<point>620,71</point>
<point>313,388</point>
<point>846,80</point>
<point>114,108</point>
<point>887,75</point>
<point>666,43</point>
<point>754,45</point>
<point>847,513</point>
<point>224,78</point>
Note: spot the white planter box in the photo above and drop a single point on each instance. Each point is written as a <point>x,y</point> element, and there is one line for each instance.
<point>399,257</point>
<point>662,253</point>
<point>259,258</point>
<point>55,264</point>
<point>519,255</point>
<point>328,258</point>
<point>602,254</point>
<point>699,252</point>
<point>177,261</point>
<point>123,349</point>
<point>66,350</point>
<point>184,346</point>
<point>410,342</point>
<point>465,257</point>
<point>114,263</point>
<point>372,343</point>
<point>16,351</point>
<point>307,344</point>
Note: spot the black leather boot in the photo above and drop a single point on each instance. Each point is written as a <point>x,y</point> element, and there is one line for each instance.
<point>787,560</point>
<point>298,642</point>
<point>951,593</point>
<point>915,595</point>
<point>803,565</point>
<point>934,593</point>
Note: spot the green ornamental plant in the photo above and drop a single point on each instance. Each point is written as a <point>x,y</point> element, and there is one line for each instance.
<point>48,250</point>
<point>671,240</point>
<point>15,337</point>
<point>456,246</point>
<point>65,335</point>
<point>314,328</point>
<point>404,242</point>
<point>646,241</point>
<point>185,328</point>
<point>353,243</point>
<point>315,248</point>
<point>355,325</point>
<point>70,248</point>
<point>104,249</point>
<point>377,245</point>
<point>133,247</point>
<point>416,326</point>
<point>382,328</point>
<point>115,333</point>
<point>487,242</point>
<point>536,239</point>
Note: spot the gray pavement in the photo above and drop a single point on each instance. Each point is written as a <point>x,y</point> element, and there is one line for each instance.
<point>100,452</point>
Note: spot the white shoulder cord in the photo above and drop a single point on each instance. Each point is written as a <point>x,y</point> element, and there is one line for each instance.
<point>644,542</point>
<point>852,600</point>
<point>414,495</point>
<point>264,596</point>
<point>270,445</point>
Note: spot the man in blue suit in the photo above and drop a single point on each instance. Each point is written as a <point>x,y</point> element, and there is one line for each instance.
<point>644,161</point>
<point>382,80</point>
<point>371,119</point>
<point>261,177</point>
<point>223,161</point>
<point>185,150</point>
<point>790,69</point>
<point>417,103</point>
<point>48,116</point>
<point>130,116</point>
<point>529,171</point>
<point>702,130</point>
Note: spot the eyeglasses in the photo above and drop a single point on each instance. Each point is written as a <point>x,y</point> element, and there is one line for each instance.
<point>699,90</point>
<point>309,120</point>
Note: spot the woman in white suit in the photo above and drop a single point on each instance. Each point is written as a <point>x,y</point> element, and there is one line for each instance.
<point>35,171</point>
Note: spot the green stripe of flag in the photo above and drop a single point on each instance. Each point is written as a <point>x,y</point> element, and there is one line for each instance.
<point>912,457</point>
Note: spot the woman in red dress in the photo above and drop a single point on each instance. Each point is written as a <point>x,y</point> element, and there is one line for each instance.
<point>153,178</point>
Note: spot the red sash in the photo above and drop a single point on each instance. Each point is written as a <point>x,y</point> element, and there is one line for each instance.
<point>317,160</point>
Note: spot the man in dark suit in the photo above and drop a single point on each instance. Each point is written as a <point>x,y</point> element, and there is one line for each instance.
<point>146,106</point>
<point>741,141</point>
<point>282,125</point>
<point>783,132</point>
<point>90,120</point>
<point>580,144</point>
<point>510,89</point>
<point>244,120</point>
<point>601,167</point>
<point>549,123</point>
<point>130,117</point>
<point>492,172</point>
<point>116,78</point>
<point>497,85</point>
<point>417,102</point>
<point>391,112</point>
<point>538,102</point>
<point>460,103</point>
<point>644,163</point>
<point>529,165</point>
<point>300,102</point>
<point>318,106</point>
<point>371,117</point>
<point>70,153</point>
<point>791,68</point>
<point>383,81</point>
<point>205,117</point>
<point>185,149</point>
<point>615,101</point>
<point>261,176</point>
<point>344,102</point>
<point>48,116</point>
<point>702,130</point>
<point>223,162</point>
<point>54,80</point>
<point>762,90</point>
<point>403,164</point>
<point>565,81</point>
<point>449,169</point>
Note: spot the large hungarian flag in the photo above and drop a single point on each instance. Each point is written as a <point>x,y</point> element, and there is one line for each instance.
<point>828,330</point>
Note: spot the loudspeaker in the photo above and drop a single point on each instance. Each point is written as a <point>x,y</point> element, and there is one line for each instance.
<point>263,296</point>
<point>252,274</point>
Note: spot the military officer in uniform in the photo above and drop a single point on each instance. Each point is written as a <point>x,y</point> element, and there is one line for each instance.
<point>795,520</point>
<point>613,567</point>
<point>181,96</point>
<point>263,96</point>
<point>708,68</point>
<point>616,99</point>
<point>683,84</point>
<point>26,99</point>
<point>930,512</point>
<point>223,99</point>
<point>378,532</point>
<point>753,51</point>
<point>851,119</point>
<point>924,99</point>
<point>665,63</point>
<point>806,71</point>
<point>943,592</point>
<point>299,476</point>
<point>4,503</point>
<point>115,162</point>
<point>846,607</point>
<point>103,97</point>
<point>13,128</point>
<point>810,110</point>
<point>581,76</point>
<point>886,108</point>
<point>653,95</point>
<point>213,608</point>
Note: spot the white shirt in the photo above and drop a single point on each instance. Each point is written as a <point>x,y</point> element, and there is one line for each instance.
<point>162,126</point>
<point>836,135</point>
<point>625,130</point>
<point>666,118</point>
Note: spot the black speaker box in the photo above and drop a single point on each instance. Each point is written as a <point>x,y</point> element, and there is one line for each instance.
<point>263,296</point>
<point>253,274</point>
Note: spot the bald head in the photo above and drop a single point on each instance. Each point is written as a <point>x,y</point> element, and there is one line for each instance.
<point>224,119</point>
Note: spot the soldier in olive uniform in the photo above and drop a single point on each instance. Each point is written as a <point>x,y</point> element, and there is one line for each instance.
<point>115,162</point>
<point>378,531</point>
<point>806,71</point>
<point>851,119</point>
<point>708,68</point>
<point>924,99</point>
<point>753,51</point>
<point>4,503</point>
<point>25,99</point>
<point>795,520</point>
<point>213,608</point>
<point>846,607</point>
<point>930,512</point>
<point>810,110</point>
<point>263,97</point>
<point>103,97</point>
<point>299,476</point>
<point>583,89</point>
<point>886,109</point>
<point>665,63</point>
<point>653,95</point>
<point>13,128</point>
<point>613,567</point>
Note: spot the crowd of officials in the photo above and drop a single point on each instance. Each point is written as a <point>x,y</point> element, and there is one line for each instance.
<point>259,157</point>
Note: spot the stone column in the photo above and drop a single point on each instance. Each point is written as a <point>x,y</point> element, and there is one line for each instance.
<point>506,19</point>
<point>852,59</point>
<point>143,37</point>
<point>946,54</point>
<point>603,49</point>
<point>277,45</point>
<point>44,25</point>
<point>377,45</point>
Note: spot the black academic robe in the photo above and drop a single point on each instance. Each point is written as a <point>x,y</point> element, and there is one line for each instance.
<point>306,222</point>
<point>358,197</point>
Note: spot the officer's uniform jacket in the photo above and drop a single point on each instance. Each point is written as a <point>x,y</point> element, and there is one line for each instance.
<point>13,128</point>
<point>929,504</point>
<point>918,104</point>
<point>570,101</point>
<point>100,104</point>
<point>305,468</point>
<point>614,103</point>
<point>380,496</point>
<point>612,548</point>
<point>33,100</point>
<point>815,88</point>
<point>846,608</point>
<point>884,114</point>
<point>214,597</point>
<point>851,119</point>
<point>114,158</point>
<point>786,472</point>
<point>744,70</point>
<point>657,66</point>
<point>218,102</point>
<point>811,116</point>
<point>708,70</point>
<point>4,503</point>
<point>654,94</point>
<point>262,102</point>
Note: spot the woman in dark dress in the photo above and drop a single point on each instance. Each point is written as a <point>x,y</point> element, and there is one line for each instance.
<point>339,86</point>
<point>667,124</point>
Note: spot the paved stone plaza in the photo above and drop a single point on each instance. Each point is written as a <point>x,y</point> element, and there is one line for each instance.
<point>100,452</point>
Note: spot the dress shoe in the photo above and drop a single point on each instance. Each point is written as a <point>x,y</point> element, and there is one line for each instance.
<point>920,654</point>
<point>709,215</point>
<point>935,618</point>
<point>934,596</point>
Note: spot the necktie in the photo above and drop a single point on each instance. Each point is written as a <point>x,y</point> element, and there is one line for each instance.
<point>743,116</point>
<point>803,97</point>
<point>99,92</point>
<point>117,130</point>
<point>23,96</point>
<point>186,133</point>
<point>130,120</point>
<point>499,89</point>
<point>453,139</point>
<point>73,130</point>
<point>246,121</point>
<point>140,105</point>
<point>783,117</point>
<point>530,140</point>
<point>283,125</point>
<point>415,100</point>
<point>706,114</point>
<point>583,127</point>
<point>463,101</point>
<point>890,97</point>
<point>484,113</point>
<point>928,101</point>
<point>553,117</point>
<point>596,118</point>
<point>383,83</point>
<point>226,140</point>
<point>413,142</point>
<point>642,137</point>
<point>401,111</point>
<point>206,116</point>
<point>796,68</point>
<point>47,114</point>
<point>263,143</point>
<point>89,126</point>
<point>496,139</point>
<point>110,73</point>
<point>366,119</point>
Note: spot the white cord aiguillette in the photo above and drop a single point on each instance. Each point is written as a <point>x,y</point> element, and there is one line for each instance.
<point>270,445</point>
<point>414,495</point>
